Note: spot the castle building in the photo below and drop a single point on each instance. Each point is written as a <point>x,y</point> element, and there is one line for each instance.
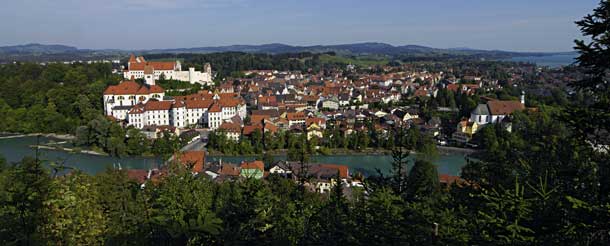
<point>138,68</point>
<point>120,99</point>
<point>202,109</point>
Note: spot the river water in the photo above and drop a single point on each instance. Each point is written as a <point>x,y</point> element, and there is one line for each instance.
<point>14,149</point>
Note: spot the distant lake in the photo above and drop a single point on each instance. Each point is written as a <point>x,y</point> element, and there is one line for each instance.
<point>553,61</point>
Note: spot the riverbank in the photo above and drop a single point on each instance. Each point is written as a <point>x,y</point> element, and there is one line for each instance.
<point>454,150</point>
<point>9,135</point>
<point>367,152</point>
<point>71,150</point>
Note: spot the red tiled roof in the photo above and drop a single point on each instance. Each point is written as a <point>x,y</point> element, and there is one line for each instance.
<point>295,116</point>
<point>319,121</point>
<point>229,170</point>
<point>230,127</point>
<point>198,103</point>
<point>449,179</point>
<point>158,105</point>
<point>194,158</point>
<point>138,175</point>
<point>253,165</point>
<point>155,89</point>
<point>156,65</point>
<point>343,170</point>
<point>249,129</point>
<point>132,87</point>
<point>123,88</point>
<point>504,107</point>
<point>215,108</point>
<point>137,109</point>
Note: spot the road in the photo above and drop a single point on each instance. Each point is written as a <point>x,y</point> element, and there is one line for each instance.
<point>197,144</point>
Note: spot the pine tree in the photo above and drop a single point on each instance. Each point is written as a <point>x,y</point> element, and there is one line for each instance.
<point>422,181</point>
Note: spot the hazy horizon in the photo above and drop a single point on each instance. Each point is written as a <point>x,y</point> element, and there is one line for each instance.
<point>540,26</point>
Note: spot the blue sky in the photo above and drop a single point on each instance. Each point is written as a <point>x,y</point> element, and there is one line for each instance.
<point>520,25</point>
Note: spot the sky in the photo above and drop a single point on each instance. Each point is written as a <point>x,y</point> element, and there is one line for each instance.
<point>516,25</point>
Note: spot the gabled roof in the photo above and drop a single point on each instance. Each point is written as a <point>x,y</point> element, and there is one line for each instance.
<point>343,170</point>
<point>481,109</point>
<point>131,87</point>
<point>253,165</point>
<point>198,104</point>
<point>158,105</point>
<point>155,65</point>
<point>215,108</point>
<point>230,127</point>
<point>123,88</point>
<point>504,107</point>
<point>295,116</point>
<point>194,158</point>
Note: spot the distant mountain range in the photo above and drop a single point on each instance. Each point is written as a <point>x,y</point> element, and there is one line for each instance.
<point>50,52</point>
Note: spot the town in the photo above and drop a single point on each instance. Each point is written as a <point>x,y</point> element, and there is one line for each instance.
<point>305,123</point>
<point>262,105</point>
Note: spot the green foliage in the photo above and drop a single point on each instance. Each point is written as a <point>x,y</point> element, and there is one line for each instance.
<point>23,189</point>
<point>503,220</point>
<point>53,98</point>
<point>73,213</point>
<point>423,181</point>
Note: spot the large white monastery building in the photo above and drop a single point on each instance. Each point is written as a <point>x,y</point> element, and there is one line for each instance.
<point>142,105</point>
<point>170,70</point>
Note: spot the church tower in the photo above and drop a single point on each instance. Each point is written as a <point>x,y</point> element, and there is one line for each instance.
<point>149,75</point>
<point>207,68</point>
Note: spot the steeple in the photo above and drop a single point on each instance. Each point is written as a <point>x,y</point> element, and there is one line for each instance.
<point>522,97</point>
<point>149,75</point>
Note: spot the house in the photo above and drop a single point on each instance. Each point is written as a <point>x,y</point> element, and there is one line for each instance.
<point>314,130</point>
<point>192,160</point>
<point>465,130</point>
<point>282,168</point>
<point>255,169</point>
<point>295,118</point>
<point>222,171</point>
<point>231,130</point>
<point>330,104</point>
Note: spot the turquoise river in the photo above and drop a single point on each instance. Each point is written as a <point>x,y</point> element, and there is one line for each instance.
<point>14,149</point>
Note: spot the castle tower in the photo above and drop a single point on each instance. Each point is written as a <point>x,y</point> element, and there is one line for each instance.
<point>149,75</point>
<point>207,68</point>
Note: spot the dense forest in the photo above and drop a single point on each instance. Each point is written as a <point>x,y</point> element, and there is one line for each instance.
<point>544,183</point>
